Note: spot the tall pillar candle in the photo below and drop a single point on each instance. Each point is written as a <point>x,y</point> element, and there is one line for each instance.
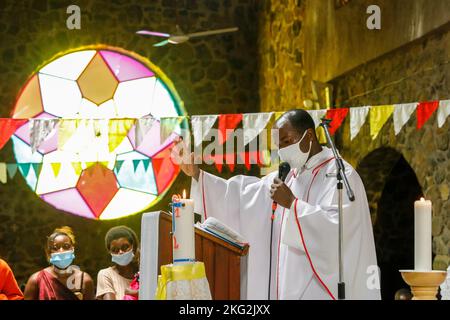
<point>422,235</point>
<point>183,230</point>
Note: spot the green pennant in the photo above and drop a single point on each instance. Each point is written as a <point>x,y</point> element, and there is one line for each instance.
<point>12,169</point>
<point>37,168</point>
<point>118,165</point>
<point>135,164</point>
<point>146,163</point>
<point>24,168</point>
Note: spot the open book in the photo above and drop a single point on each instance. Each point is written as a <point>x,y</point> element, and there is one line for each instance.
<point>222,231</point>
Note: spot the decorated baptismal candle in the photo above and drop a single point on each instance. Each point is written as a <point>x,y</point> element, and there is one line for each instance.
<point>183,234</point>
<point>422,235</point>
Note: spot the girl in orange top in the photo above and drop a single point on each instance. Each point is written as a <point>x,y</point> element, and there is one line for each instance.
<point>9,290</point>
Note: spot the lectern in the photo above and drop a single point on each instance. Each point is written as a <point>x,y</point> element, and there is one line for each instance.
<point>225,263</point>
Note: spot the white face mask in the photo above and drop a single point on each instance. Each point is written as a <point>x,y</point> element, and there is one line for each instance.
<point>123,259</point>
<point>293,155</point>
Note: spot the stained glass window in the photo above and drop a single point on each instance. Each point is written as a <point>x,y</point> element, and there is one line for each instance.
<point>98,84</point>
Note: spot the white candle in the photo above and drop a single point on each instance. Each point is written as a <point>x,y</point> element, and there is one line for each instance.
<point>422,235</point>
<point>183,230</point>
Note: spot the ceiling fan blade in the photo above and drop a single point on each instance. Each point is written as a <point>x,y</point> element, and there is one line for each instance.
<point>162,43</point>
<point>153,33</point>
<point>211,32</point>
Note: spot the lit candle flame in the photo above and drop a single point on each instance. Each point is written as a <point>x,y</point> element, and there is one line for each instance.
<point>184,193</point>
<point>422,199</point>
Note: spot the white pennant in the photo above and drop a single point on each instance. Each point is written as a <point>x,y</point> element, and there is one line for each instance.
<point>317,116</point>
<point>402,113</point>
<point>201,126</point>
<point>39,131</point>
<point>143,126</point>
<point>443,112</point>
<point>358,117</point>
<point>253,124</point>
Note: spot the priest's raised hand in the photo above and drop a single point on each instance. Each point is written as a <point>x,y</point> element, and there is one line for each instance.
<point>281,194</point>
<point>185,161</point>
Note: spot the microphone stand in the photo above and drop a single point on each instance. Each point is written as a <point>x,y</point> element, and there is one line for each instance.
<point>341,180</point>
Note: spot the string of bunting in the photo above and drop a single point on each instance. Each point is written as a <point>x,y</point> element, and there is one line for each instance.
<point>79,134</point>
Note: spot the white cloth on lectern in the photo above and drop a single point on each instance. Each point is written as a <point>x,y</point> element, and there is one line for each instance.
<point>244,204</point>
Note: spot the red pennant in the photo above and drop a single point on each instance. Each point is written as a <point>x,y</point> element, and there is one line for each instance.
<point>424,111</point>
<point>229,160</point>
<point>245,156</point>
<point>337,116</point>
<point>8,127</point>
<point>253,157</point>
<point>216,159</point>
<point>227,121</point>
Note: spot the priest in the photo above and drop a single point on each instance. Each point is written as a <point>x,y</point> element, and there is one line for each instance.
<point>295,256</point>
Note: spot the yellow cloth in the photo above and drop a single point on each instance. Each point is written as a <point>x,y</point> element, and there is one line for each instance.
<point>117,131</point>
<point>378,117</point>
<point>181,273</point>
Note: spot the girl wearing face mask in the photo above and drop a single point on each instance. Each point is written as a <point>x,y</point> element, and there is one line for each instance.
<point>61,280</point>
<point>115,282</point>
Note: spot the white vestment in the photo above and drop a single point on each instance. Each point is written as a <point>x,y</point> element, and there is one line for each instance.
<point>305,237</point>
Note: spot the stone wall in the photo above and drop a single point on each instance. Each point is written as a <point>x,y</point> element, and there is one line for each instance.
<point>212,75</point>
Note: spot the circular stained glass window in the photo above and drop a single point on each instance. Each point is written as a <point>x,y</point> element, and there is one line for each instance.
<point>98,83</point>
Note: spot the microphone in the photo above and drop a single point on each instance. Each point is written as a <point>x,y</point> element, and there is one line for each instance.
<point>283,171</point>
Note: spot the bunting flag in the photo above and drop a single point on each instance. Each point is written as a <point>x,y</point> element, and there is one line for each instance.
<point>3,172</point>
<point>230,161</point>
<point>146,163</point>
<point>250,157</point>
<point>337,116</point>
<point>253,124</point>
<point>8,127</point>
<point>424,112</point>
<point>67,128</point>
<point>118,165</point>
<point>168,126</point>
<point>56,167</point>
<point>228,122</point>
<point>24,168</point>
<point>117,131</point>
<point>12,170</point>
<point>378,117</point>
<point>37,168</point>
<point>40,130</point>
<point>443,112</point>
<point>77,167</point>
<point>136,164</point>
<point>402,113</point>
<point>201,126</point>
<point>358,117</point>
<point>317,116</point>
<point>142,127</point>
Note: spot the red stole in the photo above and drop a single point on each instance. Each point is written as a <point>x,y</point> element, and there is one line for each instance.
<point>50,288</point>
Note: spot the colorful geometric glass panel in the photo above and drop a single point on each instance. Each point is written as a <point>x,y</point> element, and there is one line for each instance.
<point>84,178</point>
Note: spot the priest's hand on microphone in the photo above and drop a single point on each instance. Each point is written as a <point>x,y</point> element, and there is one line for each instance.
<point>281,194</point>
<point>185,161</point>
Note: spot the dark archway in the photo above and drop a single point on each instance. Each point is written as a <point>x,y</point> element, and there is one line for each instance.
<point>392,187</point>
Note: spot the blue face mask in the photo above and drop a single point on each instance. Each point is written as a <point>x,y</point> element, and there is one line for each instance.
<point>123,259</point>
<point>62,260</point>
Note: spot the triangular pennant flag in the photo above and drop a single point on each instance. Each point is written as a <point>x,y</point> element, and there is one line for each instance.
<point>3,172</point>
<point>337,116</point>
<point>424,112</point>
<point>201,126</point>
<point>443,112</point>
<point>142,127</point>
<point>117,131</point>
<point>146,163</point>
<point>230,161</point>
<point>67,128</point>
<point>12,169</point>
<point>227,122</point>
<point>37,168</point>
<point>136,164</point>
<point>118,165</point>
<point>168,126</point>
<point>358,117</point>
<point>245,158</point>
<point>7,129</point>
<point>77,168</point>
<point>39,131</point>
<point>402,113</point>
<point>253,124</point>
<point>378,117</point>
<point>56,166</point>
<point>317,116</point>
<point>24,168</point>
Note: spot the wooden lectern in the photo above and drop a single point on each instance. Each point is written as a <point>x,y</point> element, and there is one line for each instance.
<point>222,260</point>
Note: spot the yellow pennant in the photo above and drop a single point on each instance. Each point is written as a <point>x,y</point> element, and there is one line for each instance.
<point>67,128</point>
<point>56,166</point>
<point>77,167</point>
<point>117,131</point>
<point>378,117</point>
